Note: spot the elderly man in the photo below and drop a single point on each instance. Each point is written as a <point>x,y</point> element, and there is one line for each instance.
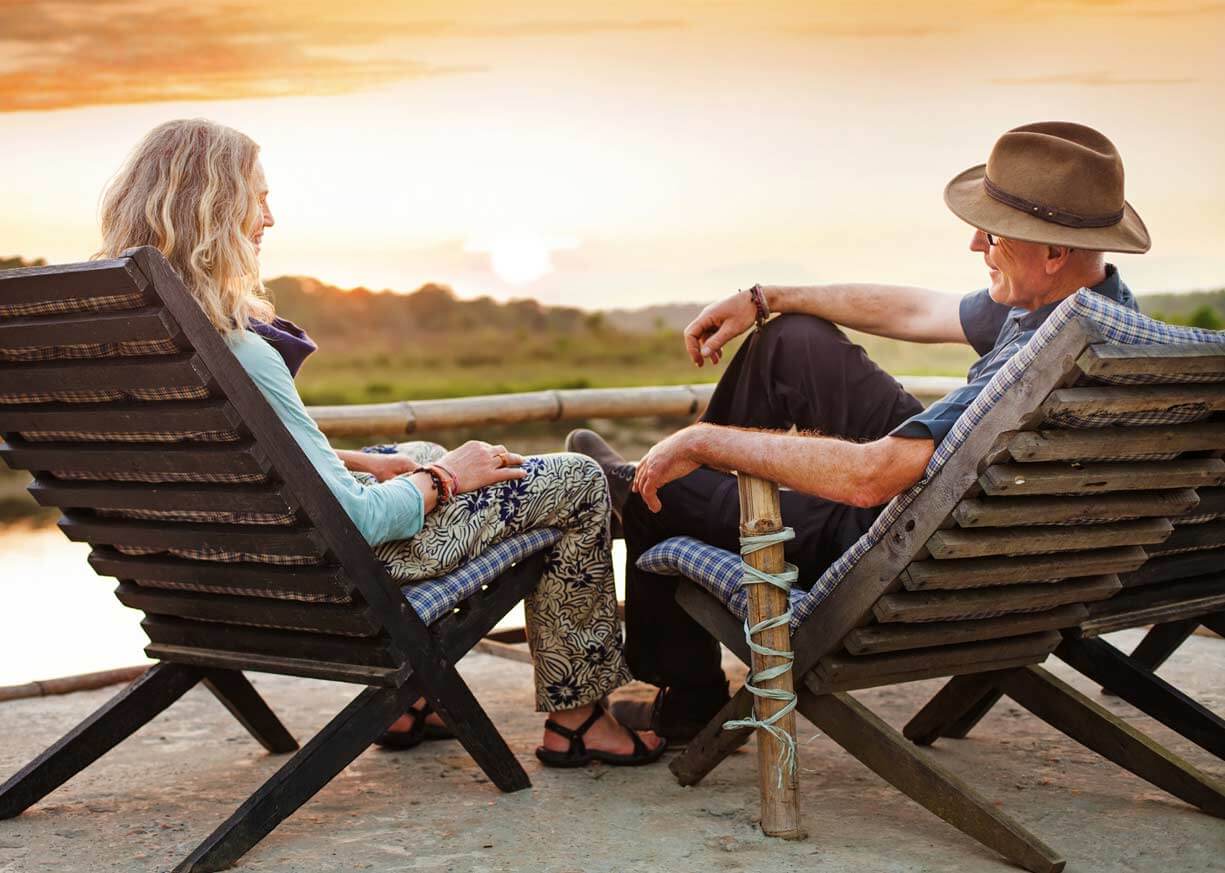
<point>1045,206</point>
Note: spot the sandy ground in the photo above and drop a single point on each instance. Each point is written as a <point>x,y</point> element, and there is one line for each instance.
<point>149,802</point>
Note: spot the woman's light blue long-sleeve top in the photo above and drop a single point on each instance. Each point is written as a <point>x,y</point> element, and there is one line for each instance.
<point>392,510</point>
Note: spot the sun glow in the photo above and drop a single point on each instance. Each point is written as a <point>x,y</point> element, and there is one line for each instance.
<point>521,257</point>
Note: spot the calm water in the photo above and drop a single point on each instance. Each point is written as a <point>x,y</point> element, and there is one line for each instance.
<point>58,618</point>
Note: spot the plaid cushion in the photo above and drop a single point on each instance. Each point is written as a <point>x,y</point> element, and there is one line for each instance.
<point>717,570</point>
<point>102,303</point>
<point>431,599</point>
<point>206,436</point>
<point>1115,323</point>
<point>185,392</point>
<point>125,349</point>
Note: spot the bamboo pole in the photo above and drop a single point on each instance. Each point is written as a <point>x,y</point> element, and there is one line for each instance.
<point>760,514</point>
<point>421,416</point>
<point>69,684</point>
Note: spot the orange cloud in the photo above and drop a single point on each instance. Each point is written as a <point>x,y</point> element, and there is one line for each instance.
<point>69,53</point>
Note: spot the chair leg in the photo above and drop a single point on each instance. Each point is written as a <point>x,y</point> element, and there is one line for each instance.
<point>883,750</point>
<point>1066,709</point>
<point>1161,641</point>
<point>1146,691</point>
<point>327,753</point>
<point>463,714</point>
<point>236,693</point>
<point>119,718</point>
<point>956,707</point>
<point>708,749</point>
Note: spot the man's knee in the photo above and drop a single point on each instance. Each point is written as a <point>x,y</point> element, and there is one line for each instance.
<point>796,329</point>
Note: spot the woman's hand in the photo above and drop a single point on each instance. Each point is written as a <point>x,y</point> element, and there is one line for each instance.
<point>477,464</point>
<point>717,325</point>
<point>386,467</point>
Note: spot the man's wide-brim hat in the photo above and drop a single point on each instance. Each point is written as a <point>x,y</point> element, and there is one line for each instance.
<point>1054,182</point>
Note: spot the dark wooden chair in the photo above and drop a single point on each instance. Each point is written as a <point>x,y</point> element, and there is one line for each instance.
<point>136,420</point>
<point>1180,588</point>
<point>1053,485</point>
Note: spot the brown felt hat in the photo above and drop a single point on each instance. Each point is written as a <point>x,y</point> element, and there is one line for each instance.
<point>1053,182</point>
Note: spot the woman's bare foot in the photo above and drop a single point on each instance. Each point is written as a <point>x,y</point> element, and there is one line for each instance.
<point>405,722</point>
<point>606,735</point>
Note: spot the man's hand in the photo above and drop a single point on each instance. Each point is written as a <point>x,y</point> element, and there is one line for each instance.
<point>717,325</point>
<point>665,462</point>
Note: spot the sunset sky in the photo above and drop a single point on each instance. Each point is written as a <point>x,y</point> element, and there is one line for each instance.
<point>616,154</point>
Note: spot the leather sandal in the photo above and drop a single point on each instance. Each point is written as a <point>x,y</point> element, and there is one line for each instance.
<point>417,734</point>
<point>578,755</point>
<point>675,715</point>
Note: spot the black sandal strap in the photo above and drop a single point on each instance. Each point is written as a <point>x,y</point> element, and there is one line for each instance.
<point>575,735</point>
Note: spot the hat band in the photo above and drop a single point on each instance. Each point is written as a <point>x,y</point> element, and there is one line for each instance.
<point>1050,213</point>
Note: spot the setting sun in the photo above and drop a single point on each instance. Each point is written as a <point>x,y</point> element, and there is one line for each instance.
<point>519,258</point>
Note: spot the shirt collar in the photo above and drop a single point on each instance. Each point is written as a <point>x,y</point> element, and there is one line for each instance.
<point>1111,287</point>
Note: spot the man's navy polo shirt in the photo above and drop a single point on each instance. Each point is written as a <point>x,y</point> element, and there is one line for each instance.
<point>997,332</point>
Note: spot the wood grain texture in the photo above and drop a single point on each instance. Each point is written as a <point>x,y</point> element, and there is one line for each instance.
<point>1044,539</point>
<point>761,514</point>
<point>1059,478</point>
<point>976,512</point>
<point>1118,359</point>
<point>918,606</point>
<point>995,571</point>
<point>1110,442</point>
<point>878,638</point>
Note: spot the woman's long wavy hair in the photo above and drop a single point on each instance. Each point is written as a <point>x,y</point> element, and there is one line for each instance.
<point>188,190</point>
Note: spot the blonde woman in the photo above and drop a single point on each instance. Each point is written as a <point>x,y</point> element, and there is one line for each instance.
<point>196,191</point>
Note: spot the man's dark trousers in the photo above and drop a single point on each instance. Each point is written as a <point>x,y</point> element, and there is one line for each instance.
<point>799,371</point>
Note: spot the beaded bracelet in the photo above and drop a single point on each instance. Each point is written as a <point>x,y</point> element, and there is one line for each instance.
<point>443,487</point>
<point>759,301</point>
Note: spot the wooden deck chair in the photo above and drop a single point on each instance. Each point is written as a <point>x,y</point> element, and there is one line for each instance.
<point>136,420</point>
<point>1049,486</point>
<point>1179,588</point>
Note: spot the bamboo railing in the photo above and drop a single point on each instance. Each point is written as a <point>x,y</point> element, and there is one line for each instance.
<point>420,416</point>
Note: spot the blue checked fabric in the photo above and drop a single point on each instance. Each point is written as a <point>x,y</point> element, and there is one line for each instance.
<point>718,570</point>
<point>431,599</point>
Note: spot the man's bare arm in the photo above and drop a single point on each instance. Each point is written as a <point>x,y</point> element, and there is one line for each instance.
<point>859,474</point>
<point>895,311</point>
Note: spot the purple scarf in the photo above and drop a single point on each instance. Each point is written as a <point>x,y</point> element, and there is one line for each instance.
<point>288,339</point>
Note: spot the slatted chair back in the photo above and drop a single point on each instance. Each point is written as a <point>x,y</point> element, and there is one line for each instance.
<point>137,421</point>
<point>1100,455</point>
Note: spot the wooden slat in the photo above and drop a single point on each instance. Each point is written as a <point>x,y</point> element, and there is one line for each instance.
<point>846,671</point>
<point>878,638</point>
<point>919,606</point>
<point>254,538</point>
<point>1171,567</point>
<point>980,572</point>
<point>1057,478</point>
<point>1006,511</point>
<point>309,580</point>
<point>183,370</point>
<point>954,543</point>
<point>67,281</point>
<point>170,497</point>
<point>208,458</point>
<point>323,618</point>
<point>1157,604</point>
<point>78,328</point>
<point>1118,399</point>
<point>1118,359</point>
<point>332,672</point>
<point>1109,442</point>
<point>126,418</point>
<point>1209,535</point>
<point>365,651</point>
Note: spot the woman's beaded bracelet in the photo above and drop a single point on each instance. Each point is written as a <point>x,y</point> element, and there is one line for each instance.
<point>442,483</point>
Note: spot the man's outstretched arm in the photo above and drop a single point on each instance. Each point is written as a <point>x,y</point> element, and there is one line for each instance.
<point>894,311</point>
<point>860,474</point>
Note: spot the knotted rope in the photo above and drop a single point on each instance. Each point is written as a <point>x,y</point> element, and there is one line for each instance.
<point>783,580</point>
